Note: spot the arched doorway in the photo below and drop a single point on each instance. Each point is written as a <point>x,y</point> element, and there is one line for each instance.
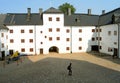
<point>54,49</point>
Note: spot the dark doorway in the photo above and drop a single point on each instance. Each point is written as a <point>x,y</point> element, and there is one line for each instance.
<point>94,48</point>
<point>41,51</point>
<point>54,49</point>
<point>3,55</point>
<point>11,52</point>
<point>115,54</point>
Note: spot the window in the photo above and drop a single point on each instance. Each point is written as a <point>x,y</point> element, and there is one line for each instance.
<point>45,36</point>
<point>110,49</point>
<point>31,49</point>
<point>57,19</point>
<point>50,29</point>
<point>58,29</point>
<point>109,32</point>
<point>100,38</point>
<point>22,31</point>
<point>22,40</point>
<point>115,32</point>
<point>80,39</point>
<point>80,48</point>
<point>22,49</point>
<point>31,40</point>
<point>115,43</point>
<point>100,30</point>
<point>57,38</point>
<point>2,34</point>
<point>50,18</point>
<point>67,30</point>
<point>93,30</point>
<point>2,45</point>
<point>41,42</point>
<point>50,38</point>
<point>67,48</point>
<point>11,41</point>
<point>41,31</point>
<point>30,31</point>
<point>97,30</point>
<point>11,31</point>
<point>80,30</point>
<point>67,39</point>
<point>100,47</point>
<point>93,39</point>
<point>97,38</point>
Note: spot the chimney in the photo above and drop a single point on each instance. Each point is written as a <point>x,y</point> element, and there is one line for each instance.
<point>103,11</point>
<point>69,11</point>
<point>28,14</point>
<point>89,11</point>
<point>40,11</point>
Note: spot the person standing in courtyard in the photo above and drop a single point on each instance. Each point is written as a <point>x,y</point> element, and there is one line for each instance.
<point>69,68</point>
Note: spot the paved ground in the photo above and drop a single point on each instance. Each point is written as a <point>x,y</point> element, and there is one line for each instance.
<point>52,68</point>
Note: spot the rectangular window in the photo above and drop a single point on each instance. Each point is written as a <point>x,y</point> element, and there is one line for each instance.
<point>67,39</point>
<point>11,41</point>
<point>67,48</point>
<point>115,43</point>
<point>31,40</point>
<point>80,39</point>
<point>58,29</point>
<point>93,39</point>
<point>22,40</point>
<point>57,19</point>
<point>50,38</point>
<point>2,34</point>
<point>2,45</point>
<point>109,32</point>
<point>67,30</point>
<point>97,30</point>
<point>11,31</point>
<point>110,49</point>
<point>22,49</point>
<point>80,48</point>
<point>115,32</point>
<point>50,18</point>
<point>100,47</point>
<point>57,38</point>
<point>50,29</point>
<point>22,31</point>
<point>93,30</point>
<point>80,30</point>
<point>30,31</point>
<point>31,49</point>
<point>100,30</point>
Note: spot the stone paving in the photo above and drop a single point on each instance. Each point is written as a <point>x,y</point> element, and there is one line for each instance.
<point>52,68</point>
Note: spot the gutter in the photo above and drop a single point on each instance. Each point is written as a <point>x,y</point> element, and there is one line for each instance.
<point>118,40</point>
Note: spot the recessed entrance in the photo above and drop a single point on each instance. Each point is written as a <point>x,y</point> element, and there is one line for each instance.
<point>54,49</point>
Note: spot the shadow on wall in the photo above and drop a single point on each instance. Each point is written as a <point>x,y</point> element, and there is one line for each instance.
<point>54,70</point>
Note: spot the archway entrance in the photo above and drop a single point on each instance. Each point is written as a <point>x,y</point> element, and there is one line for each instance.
<point>54,49</point>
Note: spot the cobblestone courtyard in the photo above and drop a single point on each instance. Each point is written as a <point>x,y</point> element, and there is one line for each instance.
<point>52,68</point>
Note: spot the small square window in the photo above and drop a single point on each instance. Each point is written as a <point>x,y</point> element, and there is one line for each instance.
<point>31,49</point>
<point>57,38</point>
<point>80,39</point>
<point>2,34</point>
<point>80,48</point>
<point>31,40</point>
<point>58,29</point>
<point>109,32</point>
<point>22,49</point>
<point>50,19</point>
<point>22,40</point>
<point>93,39</point>
<point>50,38</point>
<point>67,30</point>
<point>30,31</point>
<point>50,29</point>
<point>67,48</point>
<point>11,41</point>
<point>67,39</point>
<point>93,30</point>
<point>80,30</point>
<point>22,31</point>
<point>11,31</point>
<point>2,45</point>
<point>57,19</point>
<point>115,32</point>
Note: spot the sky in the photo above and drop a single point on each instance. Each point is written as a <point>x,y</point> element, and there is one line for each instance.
<point>20,6</point>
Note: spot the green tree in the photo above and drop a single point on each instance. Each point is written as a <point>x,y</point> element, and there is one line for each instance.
<point>64,8</point>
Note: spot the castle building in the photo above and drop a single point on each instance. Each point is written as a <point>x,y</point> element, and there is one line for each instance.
<point>54,31</point>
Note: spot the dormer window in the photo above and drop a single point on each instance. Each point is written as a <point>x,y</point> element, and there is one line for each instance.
<point>77,20</point>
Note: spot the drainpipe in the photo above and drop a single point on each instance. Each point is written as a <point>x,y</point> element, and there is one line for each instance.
<point>35,38</point>
<point>118,40</point>
<point>71,38</point>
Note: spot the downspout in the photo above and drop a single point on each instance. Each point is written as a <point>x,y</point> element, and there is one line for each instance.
<point>35,38</point>
<point>118,40</point>
<point>99,34</point>
<point>71,38</point>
